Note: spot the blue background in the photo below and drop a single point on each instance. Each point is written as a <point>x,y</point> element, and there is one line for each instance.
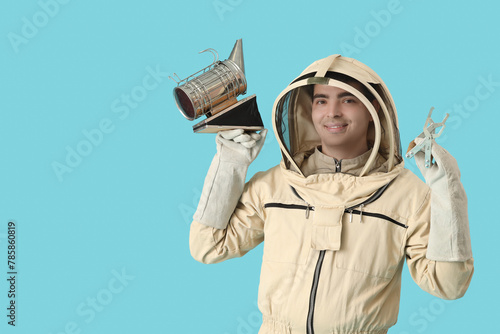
<point>125,207</point>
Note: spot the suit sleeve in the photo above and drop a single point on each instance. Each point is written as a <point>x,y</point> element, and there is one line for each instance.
<point>244,231</point>
<point>446,280</point>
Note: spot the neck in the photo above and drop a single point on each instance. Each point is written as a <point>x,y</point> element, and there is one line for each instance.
<point>341,154</point>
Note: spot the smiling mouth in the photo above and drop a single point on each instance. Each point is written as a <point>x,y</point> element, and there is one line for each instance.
<point>335,128</point>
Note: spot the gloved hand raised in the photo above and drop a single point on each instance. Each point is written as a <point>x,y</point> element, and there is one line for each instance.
<point>240,136</point>
<point>225,178</point>
<point>238,146</point>
<point>449,236</point>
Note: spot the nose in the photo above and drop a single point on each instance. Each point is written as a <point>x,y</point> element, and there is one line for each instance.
<point>335,109</point>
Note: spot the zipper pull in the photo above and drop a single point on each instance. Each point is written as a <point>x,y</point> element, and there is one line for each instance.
<point>307,211</point>
<point>361,213</point>
<point>350,216</point>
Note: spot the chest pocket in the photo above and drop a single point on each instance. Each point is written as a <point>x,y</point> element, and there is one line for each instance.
<point>287,233</point>
<point>327,228</point>
<point>372,244</point>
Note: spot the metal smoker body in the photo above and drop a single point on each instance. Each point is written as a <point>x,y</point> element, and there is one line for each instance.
<point>213,90</point>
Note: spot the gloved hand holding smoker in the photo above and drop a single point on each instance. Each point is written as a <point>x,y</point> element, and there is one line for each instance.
<point>236,150</point>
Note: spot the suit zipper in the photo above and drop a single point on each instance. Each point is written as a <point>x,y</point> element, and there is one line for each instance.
<point>376,215</point>
<point>317,272</point>
<point>351,210</point>
<point>287,206</point>
<point>307,208</point>
<point>314,290</point>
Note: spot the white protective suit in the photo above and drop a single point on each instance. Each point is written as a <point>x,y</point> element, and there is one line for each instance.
<point>337,232</point>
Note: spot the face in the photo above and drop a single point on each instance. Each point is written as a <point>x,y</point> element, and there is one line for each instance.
<point>341,121</point>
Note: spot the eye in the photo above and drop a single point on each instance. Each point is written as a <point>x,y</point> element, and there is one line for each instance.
<point>319,101</point>
<point>350,100</point>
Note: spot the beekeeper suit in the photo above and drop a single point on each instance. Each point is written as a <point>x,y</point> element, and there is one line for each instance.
<point>336,230</point>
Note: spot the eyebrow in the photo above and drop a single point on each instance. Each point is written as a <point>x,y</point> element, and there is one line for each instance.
<point>339,96</point>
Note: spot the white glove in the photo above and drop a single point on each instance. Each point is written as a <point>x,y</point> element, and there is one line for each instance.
<point>248,140</point>
<point>226,176</point>
<point>449,236</point>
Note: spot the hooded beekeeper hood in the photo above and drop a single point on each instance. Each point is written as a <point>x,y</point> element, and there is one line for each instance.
<point>293,124</point>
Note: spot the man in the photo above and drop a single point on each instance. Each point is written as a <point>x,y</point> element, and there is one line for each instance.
<point>340,213</point>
